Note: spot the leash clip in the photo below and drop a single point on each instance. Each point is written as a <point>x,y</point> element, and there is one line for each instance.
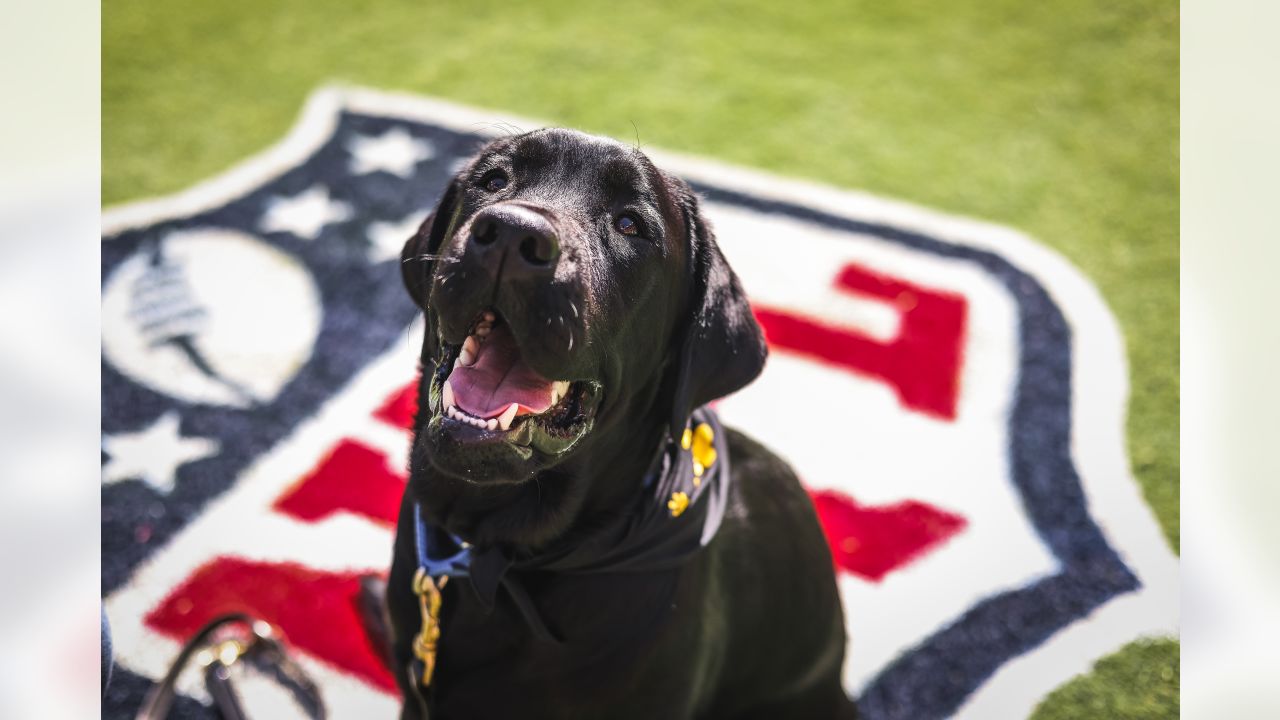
<point>424,644</point>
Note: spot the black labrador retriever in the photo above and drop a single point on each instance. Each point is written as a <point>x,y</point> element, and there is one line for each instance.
<point>613,551</point>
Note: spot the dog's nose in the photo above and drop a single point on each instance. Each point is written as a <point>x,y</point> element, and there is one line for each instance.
<point>524,235</point>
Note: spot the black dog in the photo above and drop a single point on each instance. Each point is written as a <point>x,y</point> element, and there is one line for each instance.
<point>610,557</point>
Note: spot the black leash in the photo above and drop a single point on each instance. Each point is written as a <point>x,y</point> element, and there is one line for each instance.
<point>257,648</point>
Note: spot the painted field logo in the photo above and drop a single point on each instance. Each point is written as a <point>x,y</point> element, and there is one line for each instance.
<point>951,393</point>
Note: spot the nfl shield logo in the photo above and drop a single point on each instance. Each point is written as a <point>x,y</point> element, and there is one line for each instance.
<point>951,393</point>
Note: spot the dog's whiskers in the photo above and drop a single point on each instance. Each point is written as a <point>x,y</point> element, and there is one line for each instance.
<point>512,128</point>
<point>421,257</point>
<point>505,128</point>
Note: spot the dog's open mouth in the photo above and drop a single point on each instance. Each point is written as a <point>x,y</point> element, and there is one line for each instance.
<point>485,384</point>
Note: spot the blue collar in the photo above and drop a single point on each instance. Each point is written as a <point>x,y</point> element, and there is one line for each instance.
<point>439,554</point>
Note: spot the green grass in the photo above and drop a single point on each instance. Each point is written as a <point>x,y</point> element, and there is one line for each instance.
<point>1149,672</point>
<point>1060,119</point>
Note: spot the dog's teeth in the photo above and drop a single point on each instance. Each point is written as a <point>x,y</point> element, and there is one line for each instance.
<point>492,424</point>
<point>470,348</point>
<point>504,420</point>
<point>446,394</point>
<point>559,389</point>
<point>483,330</point>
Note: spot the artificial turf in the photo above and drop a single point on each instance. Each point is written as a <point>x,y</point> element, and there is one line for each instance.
<point>1060,119</point>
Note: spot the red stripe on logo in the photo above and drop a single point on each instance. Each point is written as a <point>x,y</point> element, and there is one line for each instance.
<point>872,542</point>
<point>400,408</point>
<point>354,478</point>
<point>318,612</point>
<point>922,363</point>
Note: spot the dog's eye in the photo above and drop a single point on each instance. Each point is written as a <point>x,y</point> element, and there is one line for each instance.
<point>494,181</point>
<point>627,225</point>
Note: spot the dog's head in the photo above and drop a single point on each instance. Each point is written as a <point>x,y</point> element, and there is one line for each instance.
<point>573,293</point>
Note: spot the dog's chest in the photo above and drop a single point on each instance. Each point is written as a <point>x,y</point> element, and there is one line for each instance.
<point>615,635</point>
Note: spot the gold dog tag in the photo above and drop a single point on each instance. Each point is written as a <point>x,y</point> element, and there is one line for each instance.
<point>424,645</point>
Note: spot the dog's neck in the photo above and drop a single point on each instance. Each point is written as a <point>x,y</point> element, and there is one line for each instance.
<point>593,488</point>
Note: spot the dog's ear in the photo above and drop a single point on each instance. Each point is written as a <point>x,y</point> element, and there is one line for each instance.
<point>721,347</point>
<point>418,257</point>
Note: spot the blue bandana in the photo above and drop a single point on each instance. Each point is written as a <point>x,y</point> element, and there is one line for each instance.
<point>687,489</point>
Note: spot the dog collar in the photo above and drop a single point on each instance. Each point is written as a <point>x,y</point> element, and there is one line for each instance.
<point>686,492</point>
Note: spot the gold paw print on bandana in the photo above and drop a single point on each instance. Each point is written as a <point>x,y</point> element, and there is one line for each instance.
<point>700,442</point>
<point>678,502</point>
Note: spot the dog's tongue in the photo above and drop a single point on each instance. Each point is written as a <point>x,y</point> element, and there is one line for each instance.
<point>497,378</point>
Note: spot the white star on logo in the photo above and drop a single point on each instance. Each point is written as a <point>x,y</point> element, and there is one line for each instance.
<point>395,151</point>
<point>304,214</point>
<point>153,455</point>
<point>387,239</point>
